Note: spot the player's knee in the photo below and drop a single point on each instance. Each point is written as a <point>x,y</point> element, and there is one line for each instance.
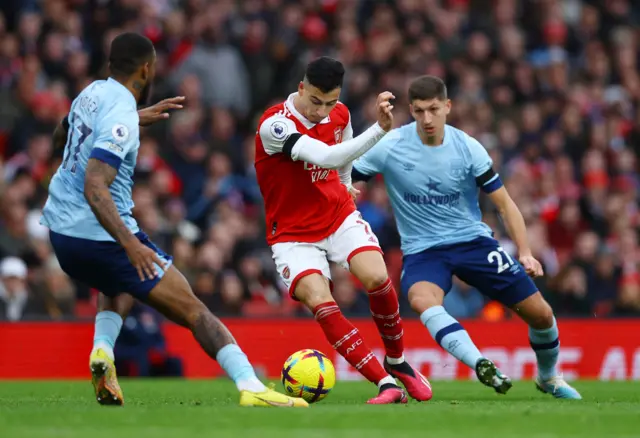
<point>190,312</point>
<point>543,317</point>
<point>419,304</point>
<point>421,301</point>
<point>196,313</point>
<point>313,290</point>
<point>536,312</point>
<point>424,295</point>
<point>313,298</point>
<point>370,269</point>
<point>374,280</point>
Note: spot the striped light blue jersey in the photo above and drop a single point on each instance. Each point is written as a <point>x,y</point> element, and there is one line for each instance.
<point>103,124</point>
<point>433,189</point>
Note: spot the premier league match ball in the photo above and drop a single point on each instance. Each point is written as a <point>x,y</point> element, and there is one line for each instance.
<point>308,374</point>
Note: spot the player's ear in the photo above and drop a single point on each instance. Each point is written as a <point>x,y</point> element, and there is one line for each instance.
<point>144,72</point>
<point>301,88</point>
<point>448,106</point>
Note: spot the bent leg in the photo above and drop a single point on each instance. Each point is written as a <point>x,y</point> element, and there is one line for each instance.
<point>111,313</point>
<point>313,291</point>
<point>354,247</point>
<point>543,333</point>
<point>426,299</point>
<point>544,338</point>
<point>426,278</point>
<point>173,297</point>
<point>370,269</point>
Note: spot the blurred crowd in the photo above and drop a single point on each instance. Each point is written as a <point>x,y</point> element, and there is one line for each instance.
<point>550,87</point>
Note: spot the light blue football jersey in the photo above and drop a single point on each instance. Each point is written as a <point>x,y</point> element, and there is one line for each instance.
<point>103,124</point>
<point>432,189</point>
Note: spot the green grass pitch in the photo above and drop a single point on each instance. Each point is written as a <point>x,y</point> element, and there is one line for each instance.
<point>180,408</point>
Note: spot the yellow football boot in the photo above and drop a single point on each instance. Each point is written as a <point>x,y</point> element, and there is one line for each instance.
<point>105,379</point>
<point>270,399</point>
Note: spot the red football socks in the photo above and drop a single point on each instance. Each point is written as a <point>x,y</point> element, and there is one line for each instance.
<point>383,303</point>
<point>347,341</point>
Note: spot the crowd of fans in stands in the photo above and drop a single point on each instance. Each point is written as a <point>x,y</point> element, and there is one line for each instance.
<point>550,87</point>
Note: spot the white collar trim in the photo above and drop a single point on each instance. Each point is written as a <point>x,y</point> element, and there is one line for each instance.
<point>306,122</point>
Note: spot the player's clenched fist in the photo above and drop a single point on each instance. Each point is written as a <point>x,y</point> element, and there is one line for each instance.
<point>531,266</point>
<point>384,107</point>
<point>353,192</point>
<point>143,259</point>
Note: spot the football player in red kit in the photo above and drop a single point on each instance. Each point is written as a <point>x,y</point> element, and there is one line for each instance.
<point>304,150</point>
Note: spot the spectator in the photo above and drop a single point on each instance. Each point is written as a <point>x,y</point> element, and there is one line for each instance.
<point>550,88</point>
<point>57,291</point>
<point>141,348</point>
<point>16,302</point>
<point>571,292</point>
<point>602,283</point>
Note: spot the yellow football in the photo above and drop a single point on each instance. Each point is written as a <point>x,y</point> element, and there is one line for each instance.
<point>308,374</point>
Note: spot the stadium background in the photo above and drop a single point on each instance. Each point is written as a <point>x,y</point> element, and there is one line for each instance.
<point>550,87</point>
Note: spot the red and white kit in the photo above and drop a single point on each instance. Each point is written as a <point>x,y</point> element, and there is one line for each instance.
<point>311,217</point>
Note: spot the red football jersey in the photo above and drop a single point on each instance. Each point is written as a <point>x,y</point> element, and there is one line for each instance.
<point>304,203</point>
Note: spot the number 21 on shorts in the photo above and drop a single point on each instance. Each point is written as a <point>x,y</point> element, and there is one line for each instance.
<point>496,256</point>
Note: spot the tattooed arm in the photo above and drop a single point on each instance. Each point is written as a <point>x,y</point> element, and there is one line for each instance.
<point>98,178</point>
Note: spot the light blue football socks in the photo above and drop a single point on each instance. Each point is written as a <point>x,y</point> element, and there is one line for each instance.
<point>106,331</point>
<point>236,364</point>
<point>450,334</point>
<point>546,345</point>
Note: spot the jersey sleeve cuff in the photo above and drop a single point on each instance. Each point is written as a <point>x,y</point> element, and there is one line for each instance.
<point>106,157</point>
<point>492,185</point>
<point>379,129</point>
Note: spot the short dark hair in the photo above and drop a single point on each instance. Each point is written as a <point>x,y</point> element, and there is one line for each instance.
<point>324,73</point>
<point>426,88</point>
<point>128,52</point>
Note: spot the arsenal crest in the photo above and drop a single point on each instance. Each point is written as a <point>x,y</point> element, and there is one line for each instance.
<point>286,273</point>
<point>337,133</point>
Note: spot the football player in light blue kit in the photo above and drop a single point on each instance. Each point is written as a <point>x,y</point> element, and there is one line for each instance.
<point>97,240</point>
<point>432,172</point>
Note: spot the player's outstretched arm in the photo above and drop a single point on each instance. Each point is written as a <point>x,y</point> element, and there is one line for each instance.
<point>148,116</point>
<point>158,112</point>
<point>98,177</point>
<point>516,228</point>
<point>337,156</point>
<point>279,135</point>
<point>305,148</point>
